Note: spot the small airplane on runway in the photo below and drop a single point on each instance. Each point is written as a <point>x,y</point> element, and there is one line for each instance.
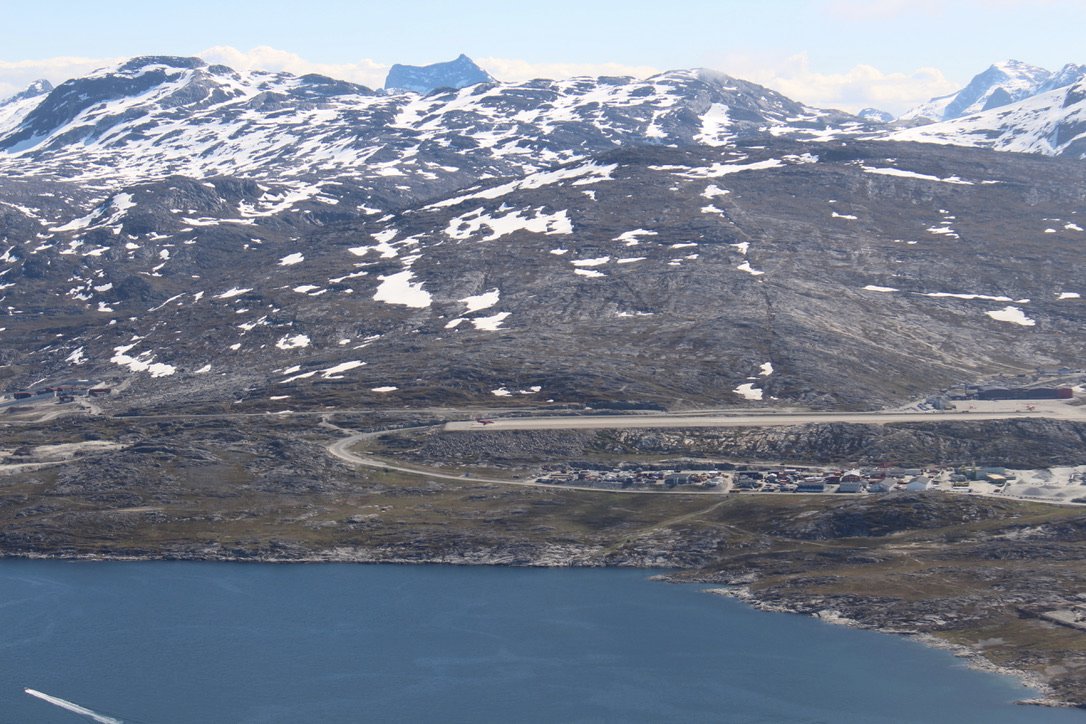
<point>484,421</point>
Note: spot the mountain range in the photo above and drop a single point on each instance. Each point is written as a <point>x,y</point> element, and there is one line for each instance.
<point>204,236</point>
<point>1011,107</point>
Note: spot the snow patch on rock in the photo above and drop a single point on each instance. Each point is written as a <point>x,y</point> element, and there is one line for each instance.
<point>399,289</point>
<point>748,391</point>
<point>297,341</point>
<point>1014,315</point>
<point>490,324</point>
<point>481,301</point>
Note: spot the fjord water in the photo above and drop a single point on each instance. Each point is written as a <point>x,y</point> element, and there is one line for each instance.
<point>218,642</point>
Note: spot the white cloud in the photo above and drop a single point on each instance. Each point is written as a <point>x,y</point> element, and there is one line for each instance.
<point>858,87</point>
<point>17,75</point>
<point>516,71</point>
<point>367,72</point>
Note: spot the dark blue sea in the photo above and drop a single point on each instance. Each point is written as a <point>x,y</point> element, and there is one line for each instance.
<point>215,642</point>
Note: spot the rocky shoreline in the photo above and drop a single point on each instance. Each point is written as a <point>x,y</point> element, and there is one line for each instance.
<point>1048,696</point>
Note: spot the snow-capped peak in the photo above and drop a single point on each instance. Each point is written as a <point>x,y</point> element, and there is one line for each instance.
<point>37,88</point>
<point>16,108</point>
<point>1065,76</point>
<point>1000,84</point>
<point>1052,123</point>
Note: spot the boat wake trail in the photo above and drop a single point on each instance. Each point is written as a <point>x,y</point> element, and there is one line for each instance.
<point>75,708</point>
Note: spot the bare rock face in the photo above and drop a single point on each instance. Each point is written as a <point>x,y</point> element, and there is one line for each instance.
<point>458,73</point>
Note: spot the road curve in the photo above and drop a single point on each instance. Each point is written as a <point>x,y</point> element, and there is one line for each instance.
<point>341,449</point>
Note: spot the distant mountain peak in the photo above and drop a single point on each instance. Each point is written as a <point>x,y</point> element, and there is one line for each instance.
<point>1000,84</point>
<point>38,88</point>
<point>1065,76</point>
<point>1048,122</point>
<point>458,73</point>
<point>875,115</point>
<point>1010,66</point>
<point>144,62</point>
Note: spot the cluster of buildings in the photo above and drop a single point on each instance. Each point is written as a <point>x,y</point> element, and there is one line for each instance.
<point>882,479</point>
<point>1044,384</point>
<point>1072,616</point>
<point>996,392</point>
<point>643,477</point>
<point>775,479</point>
<point>63,393</point>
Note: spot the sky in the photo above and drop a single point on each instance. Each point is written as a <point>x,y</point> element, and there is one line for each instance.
<point>848,54</point>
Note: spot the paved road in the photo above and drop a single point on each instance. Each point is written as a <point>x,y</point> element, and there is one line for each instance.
<point>27,467</point>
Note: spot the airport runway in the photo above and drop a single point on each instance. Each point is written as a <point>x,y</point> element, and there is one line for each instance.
<point>979,412</point>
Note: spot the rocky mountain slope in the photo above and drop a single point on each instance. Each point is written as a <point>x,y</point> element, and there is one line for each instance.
<point>263,240</point>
